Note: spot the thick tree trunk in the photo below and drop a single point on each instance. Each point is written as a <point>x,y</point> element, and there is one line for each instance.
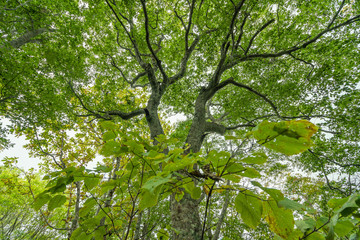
<point>185,213</point>
<point>185,218</point>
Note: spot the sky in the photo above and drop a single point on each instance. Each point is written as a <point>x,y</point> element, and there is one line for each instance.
<point>24,160</point>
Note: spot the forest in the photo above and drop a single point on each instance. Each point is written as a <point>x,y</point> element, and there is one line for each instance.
<point>181,119</point>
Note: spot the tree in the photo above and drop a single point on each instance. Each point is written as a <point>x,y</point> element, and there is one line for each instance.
<point>224,65</point>
<point>18,220</point>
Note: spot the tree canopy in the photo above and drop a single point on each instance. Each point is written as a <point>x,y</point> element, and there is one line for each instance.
<point>258,85</point>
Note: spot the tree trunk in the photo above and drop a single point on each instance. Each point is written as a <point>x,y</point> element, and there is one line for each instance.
<point>185,218</point>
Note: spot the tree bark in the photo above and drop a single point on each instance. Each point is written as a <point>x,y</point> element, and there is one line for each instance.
<point>185,218</point>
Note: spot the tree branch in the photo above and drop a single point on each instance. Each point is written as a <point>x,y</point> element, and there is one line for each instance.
<point>257,33</point>
<point>308,63</point>
<point>241,31</point>
<point>215,127</point>
<point>158,62</point>
<point>134,80</point>
<point>28,37</point>
<point>189,25</point>
<point>240,58</point>
<point>231,81</point>
<point>106,114</point>
<point>137,52</point>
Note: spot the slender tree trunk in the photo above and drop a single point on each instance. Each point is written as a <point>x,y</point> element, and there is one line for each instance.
<point>138,226</point>
<point>222,216</point>
<point>75,221</point>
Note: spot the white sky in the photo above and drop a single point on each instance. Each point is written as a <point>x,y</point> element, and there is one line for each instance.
<point>24,160</point>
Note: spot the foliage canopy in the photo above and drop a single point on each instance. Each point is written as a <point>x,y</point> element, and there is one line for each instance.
<point>90,77</point>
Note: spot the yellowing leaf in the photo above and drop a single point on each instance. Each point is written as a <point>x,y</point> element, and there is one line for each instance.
<point>280,220</point>
<point>288,137</point>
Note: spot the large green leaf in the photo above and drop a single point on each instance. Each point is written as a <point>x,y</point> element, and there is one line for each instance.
<point>41,200</point>
<point>91,181</point>
<point>280,220</point>
<point>56,201</point>
<point>152,183</point>
<point>249,206</point>
<point>274,193</point>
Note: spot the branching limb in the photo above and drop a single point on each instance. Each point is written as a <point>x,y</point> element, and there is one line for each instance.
<point>123,115</point>
<point>106,115</point>
<point>334,162</point>
<point>28,37</point>
<point>239,58</point>
<point>158,62</point>
<point>225,47</point>
<point>189,25</point>
<point>336,14</point>
<point>240,126</point>
<point>136,49</point>
<point>180,18</point>
<point>231,81</point>
<point>308,63</point>
<point>257,33</point>
<point>315,229</point>
<point>215,127</point>
<point>241,31</point>
<point>131,82</point>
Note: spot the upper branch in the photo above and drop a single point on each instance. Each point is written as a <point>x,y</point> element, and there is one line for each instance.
<point>225,47</point>
<point>241,31</point>
<point>187,55</point>
<point>231,81</point>
<point>131,82</point>
<point>106,115</point>
<point>189,25</point>
<point>158,62</point>
<point>257,32</point>
<point>238,58</point>
<point>137,52</point>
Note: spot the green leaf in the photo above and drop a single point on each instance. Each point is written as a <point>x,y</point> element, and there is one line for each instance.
<point>306,224</point>
<point>292,205</point>
<point>152,183</point>
<point>196,193</point>
<point>288,137</point>
<point>109,135</point>
<point>280,220</point>
<point>148,198</point>
<point>257,159</point>
<point>107,125</point>
<point>315,236</point>
<point>56,201</point>
<point>88,206</point>
<point>41,200</point>
<point>250,208</point>
<point>162,235</point>
<point>91,182</point>
<point>111,148</point>
<point>337,202</point>
<point>58,188</point>
<point>229,137</point>
<point>250,173</point>
<point>343,227</point>
<point>351,205</point>
<point>274,193</point>
<point>233,178</point>
<point>235,168</point>
<point>135,146</point>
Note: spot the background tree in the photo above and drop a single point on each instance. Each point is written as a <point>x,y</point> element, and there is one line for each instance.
<point>225,65</point>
